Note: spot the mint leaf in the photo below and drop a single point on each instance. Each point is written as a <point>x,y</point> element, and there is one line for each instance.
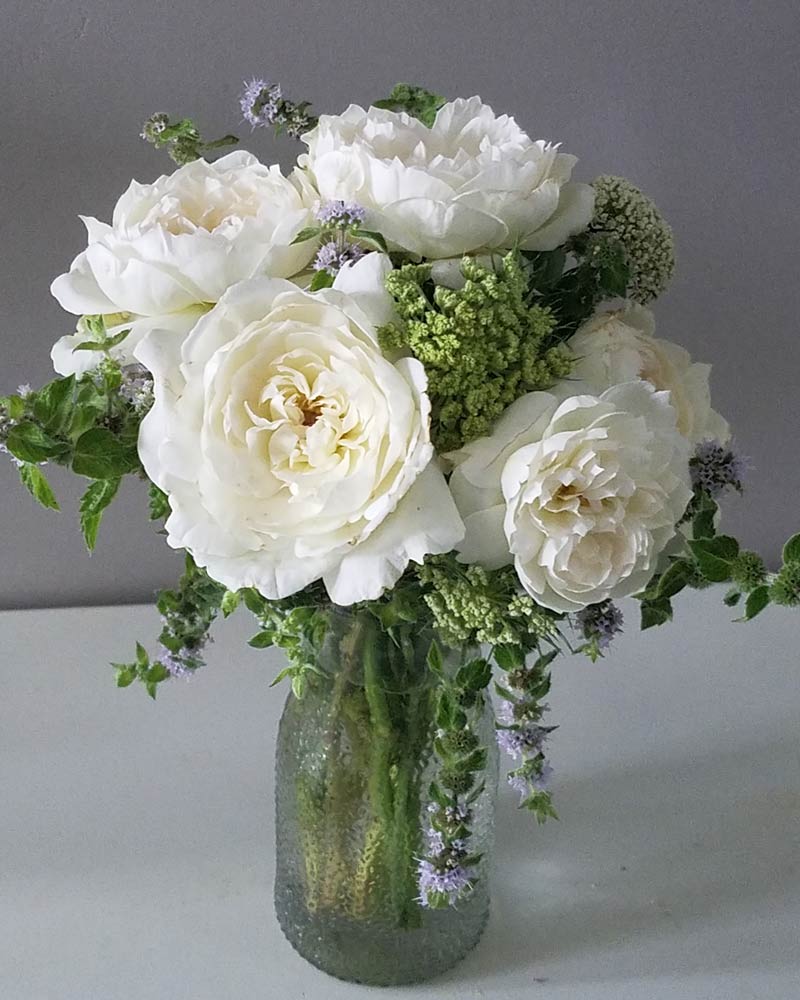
<point>36,482</point>
<point>656,612</point>
<point>757,600</point>
<point>310,233</point>
<point>52,404</point>
<point>674,579</point>
<point>320,280</point>
<point>93,505</point>
<point>791,550</point>
<point>99,454</point>
<point>159,503</point>
<point>29,443</point>
<point>415,101</point>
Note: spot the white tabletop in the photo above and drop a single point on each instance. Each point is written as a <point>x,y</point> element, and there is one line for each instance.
<point>136,839</point>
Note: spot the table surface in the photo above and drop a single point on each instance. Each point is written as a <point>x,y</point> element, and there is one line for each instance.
<point>136,838</point>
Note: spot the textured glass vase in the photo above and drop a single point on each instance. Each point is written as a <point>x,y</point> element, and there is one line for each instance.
<point>354,763</point>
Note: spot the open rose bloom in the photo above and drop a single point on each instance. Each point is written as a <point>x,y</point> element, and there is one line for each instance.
<point>405,404</point>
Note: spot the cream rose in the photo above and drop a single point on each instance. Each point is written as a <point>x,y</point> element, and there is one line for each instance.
<point>178,244</point>
<point>617,345</point>
<point>473,180</point>
<point>581,494</point>
<point>291,449</point>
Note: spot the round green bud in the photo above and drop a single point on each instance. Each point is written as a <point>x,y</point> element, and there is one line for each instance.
<point>748,570</point>
<point>455,781</point>
<point>460,741</point>
<point>785,588</point>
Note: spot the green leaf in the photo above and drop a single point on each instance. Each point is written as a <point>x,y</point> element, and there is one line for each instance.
<point>372,237</point>
<point>36,482</point>
<point>53,403</point>
<point>546,659</point>
<point>158,505</point>
<point>757,600</point>
<point>142,659</point>
<point>732,598</point>
<point>791,550</point>
<point>102,345</point>
<point>89,406</point>
<point>99,454</point>
<point>674,579</point>
<point>476,761</point>
<point>29,443</point>
<point>310,233</point>
<point>286,672</point>
<point>126,676</point>
<point>657,612</point>
<point>714,556</point>
<point>262,640</point>
<point>509,657</point>
<point>703,522</point>
<point>14,406</point>
<point>415,101</point>
<point>230,602</point>
<point>253,601</point>
<point>93,505</point>
<point>156,673</point>
<point>435,659</point>
<point>446,710</point>
<point>475,675</point>
<point>320,280</point>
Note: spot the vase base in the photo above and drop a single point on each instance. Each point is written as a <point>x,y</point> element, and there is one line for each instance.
<point>374,953</point>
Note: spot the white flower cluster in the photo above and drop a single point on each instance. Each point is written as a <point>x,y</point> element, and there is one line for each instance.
<point>293,449</point>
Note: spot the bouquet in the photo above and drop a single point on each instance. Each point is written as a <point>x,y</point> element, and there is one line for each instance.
<point>407,404</point>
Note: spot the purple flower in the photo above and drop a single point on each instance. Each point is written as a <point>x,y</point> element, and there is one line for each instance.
<point>452,881</point>
<point>435,841</point>
<point>137,388</point>
<point>715,468</point>
<point>528,738</point>
<point>332,257</point>
<point>600,622</point>
<point>340,214</point>
<point>261,103</point>
<point>174,663</point>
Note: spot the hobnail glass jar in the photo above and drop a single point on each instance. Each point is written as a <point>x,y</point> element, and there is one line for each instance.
<point>353,767</point>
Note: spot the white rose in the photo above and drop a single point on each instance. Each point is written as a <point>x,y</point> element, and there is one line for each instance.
<point>618,345</point>
<point>291,449</point>
<point>471,181</point>
<point>581,494</point>
<point>181,242</point>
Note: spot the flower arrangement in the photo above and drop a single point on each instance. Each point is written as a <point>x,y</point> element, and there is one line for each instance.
<point>416,377</point>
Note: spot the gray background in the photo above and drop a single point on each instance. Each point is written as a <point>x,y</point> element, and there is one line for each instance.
<point>695,102</point>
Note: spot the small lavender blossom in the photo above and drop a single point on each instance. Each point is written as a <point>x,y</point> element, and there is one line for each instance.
<point>24,391</point>
<point>527,739</point>
<point>600,622</point>
<point>332,257</point>
<point>137,388</point>
<point>714,468</point>
<point>261,103</point>
<point>175,663</point>
<point>340,214</point>
<point>435,841</point>
<point>452,882</point>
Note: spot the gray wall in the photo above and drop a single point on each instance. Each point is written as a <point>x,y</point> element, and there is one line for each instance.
<point>695,102</point>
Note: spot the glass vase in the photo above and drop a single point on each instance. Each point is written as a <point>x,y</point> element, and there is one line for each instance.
<point>354,765</point>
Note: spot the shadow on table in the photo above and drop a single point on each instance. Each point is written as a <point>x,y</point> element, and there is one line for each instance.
<point>644,853</point>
